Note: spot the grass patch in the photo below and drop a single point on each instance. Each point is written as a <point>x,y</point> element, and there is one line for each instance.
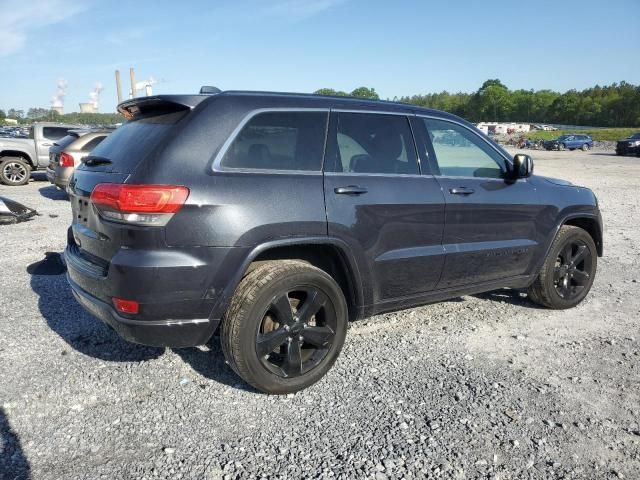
<point>599,135</point>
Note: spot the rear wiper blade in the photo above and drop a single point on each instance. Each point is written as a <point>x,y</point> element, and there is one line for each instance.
<point>92,160</point>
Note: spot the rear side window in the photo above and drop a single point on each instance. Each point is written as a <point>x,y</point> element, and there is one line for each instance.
<point>91,144</point>
<point>54,133</point>
<point>134,140</point>
<point>374,143</point>
<point>279,141</point>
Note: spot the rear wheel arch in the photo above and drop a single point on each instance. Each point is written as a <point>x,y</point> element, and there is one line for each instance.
<point>19,154</point>
<point>329,257</point>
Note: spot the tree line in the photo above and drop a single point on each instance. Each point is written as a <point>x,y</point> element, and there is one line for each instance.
<point>37,114</point>
<point>616,105</point>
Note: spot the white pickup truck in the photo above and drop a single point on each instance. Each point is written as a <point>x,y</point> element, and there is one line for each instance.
<point>20,156</point>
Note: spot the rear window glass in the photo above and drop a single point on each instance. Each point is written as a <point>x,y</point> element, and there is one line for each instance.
<point>133,141</point>
<point>279,141</point>
<point>67,140</point>
<point>54,133</point>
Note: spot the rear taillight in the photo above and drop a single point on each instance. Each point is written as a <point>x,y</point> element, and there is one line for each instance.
<point>126,306</point>
<point>139,204</point>
<point>66,160</point>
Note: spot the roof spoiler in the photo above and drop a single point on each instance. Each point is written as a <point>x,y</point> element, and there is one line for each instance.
<point>158,104</point>
<point>209,90</point>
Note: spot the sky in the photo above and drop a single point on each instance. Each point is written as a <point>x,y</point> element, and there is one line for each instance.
<point>398,47</point>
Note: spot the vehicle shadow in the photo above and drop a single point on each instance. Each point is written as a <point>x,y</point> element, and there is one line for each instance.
<point>511,296</point>
<point>53,193</point>
<point>13,463</point>
<point>67,318</point>
<point>39,177</point>
<point>210,363</point>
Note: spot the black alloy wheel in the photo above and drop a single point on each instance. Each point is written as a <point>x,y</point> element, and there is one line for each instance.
<point>568,271</point>
<point>285,326</point>
<point>573,269</point>
<point>296,332</point>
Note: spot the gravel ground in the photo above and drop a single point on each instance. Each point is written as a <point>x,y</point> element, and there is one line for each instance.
<point>486,386</point>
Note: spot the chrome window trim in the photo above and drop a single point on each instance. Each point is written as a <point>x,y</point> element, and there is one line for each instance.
<point>507,159</point>
<point>217,166</point>
<point>389,175</point>
<point>373,112</point>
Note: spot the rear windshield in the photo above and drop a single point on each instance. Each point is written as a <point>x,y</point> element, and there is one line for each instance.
<point>66,141</point>
<point>133,141</point>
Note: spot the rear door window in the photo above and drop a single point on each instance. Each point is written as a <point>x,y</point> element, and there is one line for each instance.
<point>54,133</point>
<point>373,143</point>
<point>134,140</point>
<point>291,140</point>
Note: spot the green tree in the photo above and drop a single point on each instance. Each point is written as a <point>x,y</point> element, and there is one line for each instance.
<point>365,92</point>
<point>330,91</point>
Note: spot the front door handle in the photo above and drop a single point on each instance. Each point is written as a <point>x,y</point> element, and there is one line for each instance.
<point>461,191</point>
<point>350,190</point>
<point>47,144</point>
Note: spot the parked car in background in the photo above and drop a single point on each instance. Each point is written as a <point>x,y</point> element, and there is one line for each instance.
<point>629,146</point>
<point>20,156</point>
<point>68,152</point>
<point>569,142</point>
<point>281,217</point>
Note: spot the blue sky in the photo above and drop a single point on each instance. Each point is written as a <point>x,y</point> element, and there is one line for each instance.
<point>398,47</point>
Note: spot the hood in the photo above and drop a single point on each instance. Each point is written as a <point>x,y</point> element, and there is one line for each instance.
<point>558,181</point>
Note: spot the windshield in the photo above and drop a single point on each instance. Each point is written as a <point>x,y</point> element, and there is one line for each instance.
<point>133,141</point>
<point>563,137</point>
<point>635,136</point>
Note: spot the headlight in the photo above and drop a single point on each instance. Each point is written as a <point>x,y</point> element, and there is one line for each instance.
<point>635,144</point>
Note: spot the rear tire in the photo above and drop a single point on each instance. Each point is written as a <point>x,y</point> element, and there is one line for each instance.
<point>14,171</point>
<point>285,326</point>
<point>585,147</point>
<point>568,271</point>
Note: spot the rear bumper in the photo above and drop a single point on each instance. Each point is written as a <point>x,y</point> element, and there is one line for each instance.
<point>157,333</point>
<point>59,176</point>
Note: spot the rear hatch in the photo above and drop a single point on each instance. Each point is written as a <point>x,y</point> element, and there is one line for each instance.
<point>59,146</point>
<point>152,122</point>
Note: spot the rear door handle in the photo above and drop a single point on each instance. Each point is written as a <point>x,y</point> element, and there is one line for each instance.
<point>461,191</point>
<point>350,190</point>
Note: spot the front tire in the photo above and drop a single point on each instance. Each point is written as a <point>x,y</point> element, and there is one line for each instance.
<point>568,271</point>
<point>14,171</point>
<point>562,146</point>
<point>285,326</point>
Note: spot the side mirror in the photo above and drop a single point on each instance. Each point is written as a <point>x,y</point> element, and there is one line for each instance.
<point>522,166</point>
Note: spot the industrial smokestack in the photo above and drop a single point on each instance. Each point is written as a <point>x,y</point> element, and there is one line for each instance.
<point>132,75</point>
<point>118,86</point>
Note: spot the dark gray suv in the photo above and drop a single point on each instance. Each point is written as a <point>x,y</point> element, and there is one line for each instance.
<point>281,217</point>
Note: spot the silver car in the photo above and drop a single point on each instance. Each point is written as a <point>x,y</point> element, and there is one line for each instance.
<point>67,153</point>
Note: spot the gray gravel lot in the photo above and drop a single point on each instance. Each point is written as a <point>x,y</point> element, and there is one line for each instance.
<point>487,386</point>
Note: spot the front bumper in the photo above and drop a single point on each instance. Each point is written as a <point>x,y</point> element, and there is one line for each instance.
<point>156,333</point>
<point>627,150</point>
